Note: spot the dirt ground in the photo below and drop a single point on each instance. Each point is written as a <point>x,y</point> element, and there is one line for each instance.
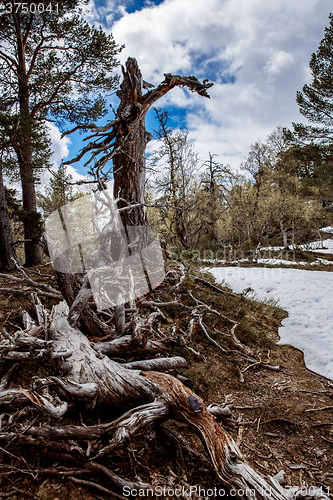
<point>278,417</point>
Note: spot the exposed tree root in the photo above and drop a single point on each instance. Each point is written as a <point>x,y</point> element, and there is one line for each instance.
<point>92,376</point>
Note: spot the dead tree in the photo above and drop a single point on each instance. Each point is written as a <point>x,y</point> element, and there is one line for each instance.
<point>124,139</point>
<point>86,373</point>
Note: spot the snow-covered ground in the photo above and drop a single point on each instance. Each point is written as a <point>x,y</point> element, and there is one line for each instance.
<point>273,262</point>
<point>314,246</point>
<point>306,295</point>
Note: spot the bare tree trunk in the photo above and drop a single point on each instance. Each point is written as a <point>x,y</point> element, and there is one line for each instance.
<point>131,136</point>
<point>7,252</point>
<point>131,140</point>
<point>30,217</point>
<point>24,152</point>
<point>284,233</point>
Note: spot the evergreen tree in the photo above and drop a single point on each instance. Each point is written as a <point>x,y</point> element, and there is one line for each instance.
<point>53,66</point>
<point>59,192</point>
<point>316,100</point>
<point>6,236</point>
<point>312,146</point>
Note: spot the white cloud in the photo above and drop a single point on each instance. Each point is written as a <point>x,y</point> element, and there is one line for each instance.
<point>60,147</point>
<point>278,62</point>
<point>263,45</point>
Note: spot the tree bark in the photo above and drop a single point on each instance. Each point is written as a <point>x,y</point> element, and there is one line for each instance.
<point>30,217</point>
<point>24,152</point>
<point>131,140</point>
<point>131,136</point>
<point>7,252</point>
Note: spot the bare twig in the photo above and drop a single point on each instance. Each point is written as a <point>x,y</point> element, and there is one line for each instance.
<point>208,336</point>
<point>213,287</point>
<point>319,409</point>
<point>96,486</point>
<point>33,283</point>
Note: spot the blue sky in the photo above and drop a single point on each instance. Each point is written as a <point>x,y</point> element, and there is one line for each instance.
<point>255,51</point>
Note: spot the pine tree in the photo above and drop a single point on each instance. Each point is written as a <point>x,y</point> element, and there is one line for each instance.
<point>53,66</point>
<point>316,100</point>
<point>312,145</point>
<point>58,193</point>
<point>6,236</point>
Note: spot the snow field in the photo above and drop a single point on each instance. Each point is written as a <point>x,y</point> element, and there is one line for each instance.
<point>307,296</point>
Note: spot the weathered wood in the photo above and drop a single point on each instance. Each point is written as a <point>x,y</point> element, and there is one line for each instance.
<point>120,386</point>
<point>226,457</point>
<point>158,364</point>
<point>96,378</point>
<point>126,344</point>
<point>116,384</point>
<point>79,303</point>
<point>70,288</point>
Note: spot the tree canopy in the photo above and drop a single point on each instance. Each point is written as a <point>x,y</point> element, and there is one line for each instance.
<point>54,66</point>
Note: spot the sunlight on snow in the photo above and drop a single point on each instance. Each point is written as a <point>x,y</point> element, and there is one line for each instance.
<point>306,295</point>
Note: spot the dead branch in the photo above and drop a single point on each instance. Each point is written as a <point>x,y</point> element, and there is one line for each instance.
<point>26,291</point>
<point>237,343</point>
<point>96,486</point>
<point>199,317</point>
<point>158,364</point>
<point>15,491</point>
<point>118,481</point>
<point>190,349</point>
<point>79,303</point>
<point>33,283</point>
<point>151,304</point>
<point>119,386</point>
<point>27,320</point>
<point>213,287</point>
<point>319,409</point>
<point>40,312</point>
<point>125,344</point>
<point>5,379</point>
<point>210,309</point>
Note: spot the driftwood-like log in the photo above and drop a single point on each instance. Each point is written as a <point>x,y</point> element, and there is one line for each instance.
<point>159,364</point>
<point>125,344</point>
<point>79,303</point>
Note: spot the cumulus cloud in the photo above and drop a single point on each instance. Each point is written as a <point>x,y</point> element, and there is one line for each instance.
<point>278,62</point>
<point>255,51</point>
<point>61,149</point>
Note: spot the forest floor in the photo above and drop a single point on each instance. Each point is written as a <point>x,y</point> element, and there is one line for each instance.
<point>278,417</point>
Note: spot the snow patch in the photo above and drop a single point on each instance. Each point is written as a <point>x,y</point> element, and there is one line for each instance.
<point>306,295</point>
<point>328,229</point>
